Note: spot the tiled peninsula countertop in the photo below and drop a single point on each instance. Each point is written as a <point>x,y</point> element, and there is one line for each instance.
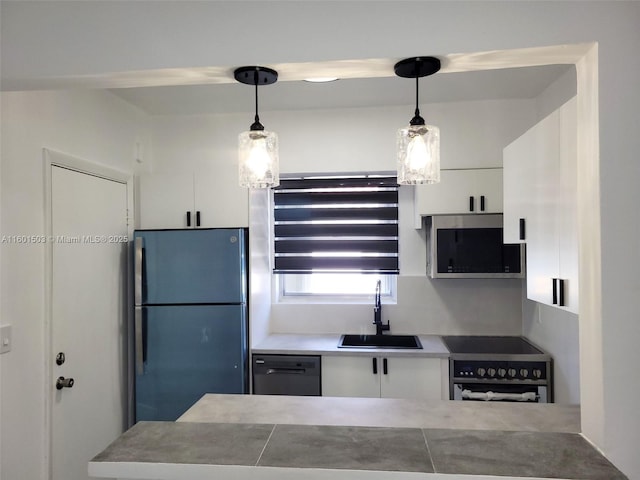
<point>271,437</point>
<point>288,343</point>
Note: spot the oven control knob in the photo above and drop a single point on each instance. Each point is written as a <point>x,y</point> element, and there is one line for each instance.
<point>502,372</point>
<point>524,373</point>
<point>512,372</point>
<point>537,372</point>
<point>491,372</point>
<point>481,371</point>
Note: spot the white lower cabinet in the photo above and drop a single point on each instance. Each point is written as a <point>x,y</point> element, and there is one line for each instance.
<point>382,376</point>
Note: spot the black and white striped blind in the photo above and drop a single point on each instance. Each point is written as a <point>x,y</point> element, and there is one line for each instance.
<point>336,225</point>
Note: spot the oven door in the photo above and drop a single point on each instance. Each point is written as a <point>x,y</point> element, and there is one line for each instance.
<point>496,392</point>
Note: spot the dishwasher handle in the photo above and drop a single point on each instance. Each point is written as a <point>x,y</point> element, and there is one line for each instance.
<point>286,371</point>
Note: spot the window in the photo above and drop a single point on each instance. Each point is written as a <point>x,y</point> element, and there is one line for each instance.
<point>336,236</point>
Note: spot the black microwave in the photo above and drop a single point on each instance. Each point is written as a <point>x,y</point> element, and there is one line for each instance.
<point>471,246</point>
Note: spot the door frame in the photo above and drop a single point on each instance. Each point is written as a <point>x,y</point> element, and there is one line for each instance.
<point>52,158</point>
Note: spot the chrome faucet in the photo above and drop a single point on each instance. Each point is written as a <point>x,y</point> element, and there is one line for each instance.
<point>377,312</point>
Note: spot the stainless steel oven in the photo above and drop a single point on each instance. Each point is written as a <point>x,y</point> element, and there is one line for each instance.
<point>503,369</point>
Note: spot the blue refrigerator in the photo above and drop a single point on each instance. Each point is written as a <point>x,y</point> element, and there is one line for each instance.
<point>190,318</point>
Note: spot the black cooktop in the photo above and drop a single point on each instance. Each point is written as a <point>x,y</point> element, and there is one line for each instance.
<point>490,345</point>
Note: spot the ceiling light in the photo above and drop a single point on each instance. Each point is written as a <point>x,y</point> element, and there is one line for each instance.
<point>418,144</point>
<point>321,79</point>
<point>257,148</point>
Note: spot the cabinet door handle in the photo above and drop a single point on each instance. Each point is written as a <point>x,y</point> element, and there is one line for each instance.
<point>375,366</point>
<point>561,292</point>
<point>198,218</point>
<point>471,206</point>
<point>482,203</point>
<point>555,291</point>
<point>523,230</point>
<point>188,219</point>
<point>385,369</point>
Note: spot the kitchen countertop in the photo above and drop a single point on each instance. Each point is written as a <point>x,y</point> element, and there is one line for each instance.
<point>269,437</point>
<point>299,344</point>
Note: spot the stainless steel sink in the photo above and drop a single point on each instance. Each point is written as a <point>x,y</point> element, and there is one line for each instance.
<point>379,341</point>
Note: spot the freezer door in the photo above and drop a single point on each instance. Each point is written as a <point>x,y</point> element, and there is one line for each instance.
<point>190,266</point>
<point>188,351</point>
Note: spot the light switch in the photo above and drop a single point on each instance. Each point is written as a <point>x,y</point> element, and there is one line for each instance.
<point>5,338</point>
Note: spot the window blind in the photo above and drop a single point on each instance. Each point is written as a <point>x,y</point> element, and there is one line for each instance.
<point>336,224</point>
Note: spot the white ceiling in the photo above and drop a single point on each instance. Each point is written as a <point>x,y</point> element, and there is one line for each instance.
<point>445,86</point>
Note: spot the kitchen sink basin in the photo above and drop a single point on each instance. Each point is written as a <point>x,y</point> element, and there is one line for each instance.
<point>379,341</point>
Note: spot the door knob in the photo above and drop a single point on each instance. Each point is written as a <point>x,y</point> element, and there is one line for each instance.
<point>64,383</point>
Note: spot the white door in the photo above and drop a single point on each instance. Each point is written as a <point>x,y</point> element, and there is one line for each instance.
<point>89,224</point>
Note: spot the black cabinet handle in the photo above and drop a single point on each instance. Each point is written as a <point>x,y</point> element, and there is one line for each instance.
<point>482,203</point>
<point>375,366</point>
<point>558,292</point>
<point>385,369</point>
<point>198,218</point>
<point>471,206</point>
<point>188,219</point>
<point>523,229</point>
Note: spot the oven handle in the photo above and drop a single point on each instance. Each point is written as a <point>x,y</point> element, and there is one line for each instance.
<point>459,392</point>
<point>498,396</point>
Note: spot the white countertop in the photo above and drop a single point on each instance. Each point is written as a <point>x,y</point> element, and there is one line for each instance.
<point>300,344</point>
<point>384,412</point>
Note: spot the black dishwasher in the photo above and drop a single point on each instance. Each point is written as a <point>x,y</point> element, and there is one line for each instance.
<point>286,375</point>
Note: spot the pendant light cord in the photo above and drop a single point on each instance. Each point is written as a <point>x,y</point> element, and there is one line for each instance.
<point>256,79</point>
<point>256,124</point>
<point>417,96</point>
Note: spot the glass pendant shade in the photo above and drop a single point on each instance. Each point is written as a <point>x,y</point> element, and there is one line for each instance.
<point>418,148</point>
<point>258,159</point>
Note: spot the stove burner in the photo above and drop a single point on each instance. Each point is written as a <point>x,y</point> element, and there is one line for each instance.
<point>490,345</point>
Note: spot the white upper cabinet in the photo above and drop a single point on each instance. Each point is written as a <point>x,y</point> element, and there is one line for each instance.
<point>518,172</point>
<point>464,191</point>
<point>541,189</point>
<point>188,200</point>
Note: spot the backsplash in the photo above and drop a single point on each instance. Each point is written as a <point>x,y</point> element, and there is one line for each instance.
<point>424,306</point>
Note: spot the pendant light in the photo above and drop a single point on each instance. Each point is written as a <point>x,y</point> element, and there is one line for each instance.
<point>257,148</point>
<point>418,144</point>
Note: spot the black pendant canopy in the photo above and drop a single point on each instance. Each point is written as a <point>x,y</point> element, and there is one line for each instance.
<point>416,67</point>
<point>255,75</point>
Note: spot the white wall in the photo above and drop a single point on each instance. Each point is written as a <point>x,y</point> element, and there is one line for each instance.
<point>92,125</point>
<point>41,41</point>
<point>556,331</point>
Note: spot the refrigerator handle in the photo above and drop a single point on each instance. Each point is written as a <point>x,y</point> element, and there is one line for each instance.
<point>139,341</point>
<point>139,248</point>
